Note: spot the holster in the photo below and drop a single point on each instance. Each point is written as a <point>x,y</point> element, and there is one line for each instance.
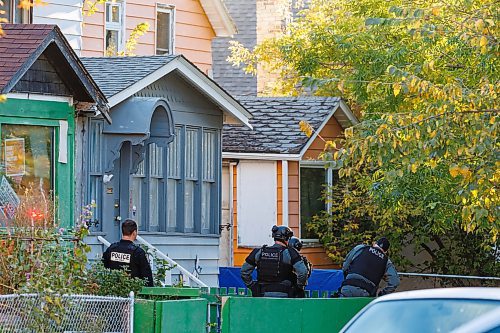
<point>255,288</point>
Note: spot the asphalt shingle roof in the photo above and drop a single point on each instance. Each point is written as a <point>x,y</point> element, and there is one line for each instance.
<point>276,124</point>
<point>114,74</point>
<point>17,45</point>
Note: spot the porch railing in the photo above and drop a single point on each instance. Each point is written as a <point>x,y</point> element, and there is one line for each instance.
<point>186,275</point>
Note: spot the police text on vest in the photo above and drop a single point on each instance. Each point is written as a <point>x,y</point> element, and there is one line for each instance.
<point>120,257</point>
<point>376,252</point>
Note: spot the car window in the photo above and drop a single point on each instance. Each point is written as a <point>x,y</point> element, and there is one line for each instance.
<point>420,315</point>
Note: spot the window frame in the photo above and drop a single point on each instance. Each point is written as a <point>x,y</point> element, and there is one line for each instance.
<point>96,171</point>
<point>119,27</point>
<point>329,177</point>
<point>168,9</point>
<point>26,15</point>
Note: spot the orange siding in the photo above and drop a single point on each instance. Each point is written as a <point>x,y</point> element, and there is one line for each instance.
<point>279,196</point>
<point>293,197</point>
<point>193,32</point>
<point>331,132</point>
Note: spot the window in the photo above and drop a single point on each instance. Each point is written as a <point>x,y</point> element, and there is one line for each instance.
<point>164,29</point>
<point>190,183</point>
<point>148,190</point>
<point>96,185</point>
<point>208,195</point>
<point>314,180</point>
<point>174,179</point>
<point>27,161</point>
<point>14,14</point>
<point>114,27</point>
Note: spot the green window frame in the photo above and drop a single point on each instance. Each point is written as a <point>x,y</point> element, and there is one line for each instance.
<point>49,113</point>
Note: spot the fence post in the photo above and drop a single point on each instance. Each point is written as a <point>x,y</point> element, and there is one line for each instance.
<point>131,312</point>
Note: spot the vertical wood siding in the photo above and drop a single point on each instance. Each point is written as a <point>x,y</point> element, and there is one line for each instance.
<point>193,32</point>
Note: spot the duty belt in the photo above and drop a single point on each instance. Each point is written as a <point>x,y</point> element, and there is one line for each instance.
<point>371,289</point>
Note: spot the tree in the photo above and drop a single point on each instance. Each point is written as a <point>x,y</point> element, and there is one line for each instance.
<point>423,164</point>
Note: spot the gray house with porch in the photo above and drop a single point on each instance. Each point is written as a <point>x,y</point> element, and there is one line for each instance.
<point>159,161</point>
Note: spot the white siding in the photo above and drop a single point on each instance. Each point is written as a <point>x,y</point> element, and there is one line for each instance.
<point>67,14</point>
<point>257,202</point>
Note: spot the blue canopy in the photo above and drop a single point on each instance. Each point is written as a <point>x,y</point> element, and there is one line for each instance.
<point>321,279</point>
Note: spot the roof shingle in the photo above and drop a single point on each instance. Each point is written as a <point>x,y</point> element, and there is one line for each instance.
<point>17,45</point>
<point>114,74</point>
<point>276,124</point>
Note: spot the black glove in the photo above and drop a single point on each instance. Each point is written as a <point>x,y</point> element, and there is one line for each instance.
<point>300,292</point>
<point>255,288</point>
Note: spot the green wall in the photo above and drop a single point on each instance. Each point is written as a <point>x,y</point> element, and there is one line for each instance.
<point>262,315</point>
<point>48,113</point>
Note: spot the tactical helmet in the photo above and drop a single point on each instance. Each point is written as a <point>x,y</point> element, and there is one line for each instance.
<point>282,233</point>
<point>296,243</point>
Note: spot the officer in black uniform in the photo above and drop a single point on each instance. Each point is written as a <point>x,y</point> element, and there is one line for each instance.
<point>364,268</point>
<point>276,265</point>
<point>297,244</point>
<point>126,255</point>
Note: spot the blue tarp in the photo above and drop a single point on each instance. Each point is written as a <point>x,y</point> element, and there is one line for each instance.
<point>321,279</point>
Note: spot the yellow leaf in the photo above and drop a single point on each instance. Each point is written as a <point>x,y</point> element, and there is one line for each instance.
<point>479,24</point>
<point>436,11</point>
<point>305,128</point>
<point>396,88</point>
<point>399,173</point>
<point>340,86</point>
<point>414,167</point>
<point>433,134</point>
<point>348,132</point>
<point>454,170</point>
<point>3,98</point>
<point>474,193</point>
<point>433,163</point>
<point>492,120</point>
<point>483,41</point>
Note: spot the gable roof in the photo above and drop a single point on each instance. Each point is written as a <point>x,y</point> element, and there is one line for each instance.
<point>122,77</point>
<point>219,18</point>
<point>275,122</point>
<point>23,44</point>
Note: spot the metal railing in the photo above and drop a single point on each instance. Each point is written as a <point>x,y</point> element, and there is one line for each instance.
<point>66,313</point>
<point>451,276</point>
<point>187,275</point>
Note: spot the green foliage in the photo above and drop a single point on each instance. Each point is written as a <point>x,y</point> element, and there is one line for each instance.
<point>117,282</point>
<point>422,166</point>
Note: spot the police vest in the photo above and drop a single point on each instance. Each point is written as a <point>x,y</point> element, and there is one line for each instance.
<point>271,268</point>
<point>122,255</point>
<point>370,263</point>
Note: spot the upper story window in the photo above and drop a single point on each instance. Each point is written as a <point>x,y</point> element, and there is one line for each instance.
<point>14,14</point>
<point>114,27</point>
<point>165,29</point>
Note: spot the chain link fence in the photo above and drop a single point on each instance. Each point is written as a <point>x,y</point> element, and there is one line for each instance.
<point>33,313</point>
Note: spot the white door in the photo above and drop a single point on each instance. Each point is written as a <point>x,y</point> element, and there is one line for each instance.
<point>257,202</point>
<point>226,232</point>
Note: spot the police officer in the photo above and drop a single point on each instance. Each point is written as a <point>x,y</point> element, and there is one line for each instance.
<point>125,254</point>
<point>297,244</point>
<point>364,268</point>
<point>276,265</point>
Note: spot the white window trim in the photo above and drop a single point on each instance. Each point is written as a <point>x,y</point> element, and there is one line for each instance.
<point>120,27</point>
<point>329,181</point>
<point>170,9</point>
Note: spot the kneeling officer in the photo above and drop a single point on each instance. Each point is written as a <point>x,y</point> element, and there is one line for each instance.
<point>125,254</point>
<point>276,265</point>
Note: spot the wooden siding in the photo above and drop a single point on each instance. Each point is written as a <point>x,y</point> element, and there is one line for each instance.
<point>331,132</point>
<point>279,211</point>
<point>193,32</point>
<point>67,14</point>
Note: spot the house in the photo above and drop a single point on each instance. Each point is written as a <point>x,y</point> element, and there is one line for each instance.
<point>49,95</point>
<point>159,162</point>
<point>175,27</point>
<point>272,174</point>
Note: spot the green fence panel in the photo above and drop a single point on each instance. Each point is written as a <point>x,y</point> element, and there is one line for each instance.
<point>144,316</point>
<point>262,315</point>
<point>187,316</point>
